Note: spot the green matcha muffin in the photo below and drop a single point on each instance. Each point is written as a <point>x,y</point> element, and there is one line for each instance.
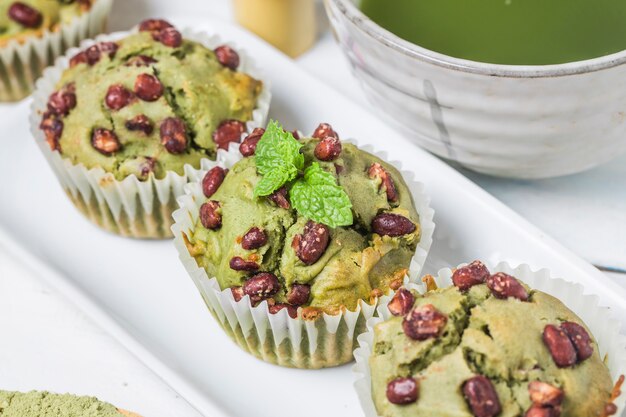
<point>486,346</point>
<point>311,230</point>
<point>45,404</point>
<point>134,114</point>
<point>34,32</point>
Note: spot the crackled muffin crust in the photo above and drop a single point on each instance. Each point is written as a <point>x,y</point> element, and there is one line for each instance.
<point>488,346</point>
<point>263,248</point>
<point>22,19</point>
<point>149,103</point>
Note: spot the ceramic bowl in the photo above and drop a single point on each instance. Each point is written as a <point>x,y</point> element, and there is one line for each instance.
<point>504,120</point>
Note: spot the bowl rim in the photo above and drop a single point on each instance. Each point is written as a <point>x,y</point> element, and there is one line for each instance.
<point>387,38</point>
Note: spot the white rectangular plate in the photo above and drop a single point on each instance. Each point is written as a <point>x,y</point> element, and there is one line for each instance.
<point>140,293</point>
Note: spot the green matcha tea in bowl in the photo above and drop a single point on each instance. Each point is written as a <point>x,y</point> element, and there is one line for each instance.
<point>292,245</point>
<point>124,119</point>
<point>513,88</point>
<point>33,33</point>
<point>478,343</point>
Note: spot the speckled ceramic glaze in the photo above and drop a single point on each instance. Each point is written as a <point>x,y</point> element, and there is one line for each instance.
<point>505,120</point>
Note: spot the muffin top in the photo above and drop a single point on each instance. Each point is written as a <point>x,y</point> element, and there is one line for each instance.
<point>45,404</point>
<point>293,250</point>
<point>149,103</point>
<point>488,346</point>
<point>21,19</point>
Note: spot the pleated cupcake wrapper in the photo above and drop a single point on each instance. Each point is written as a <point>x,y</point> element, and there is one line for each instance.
<point>22,63</point>
<point>326,341</point>
<point>128,207</point>
<point>605,328</point>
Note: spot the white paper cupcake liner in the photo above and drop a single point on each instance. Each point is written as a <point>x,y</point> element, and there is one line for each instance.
<point>23,61</point>
<point>277,338</point>
<point>130,207</point>
<point>604,327</point>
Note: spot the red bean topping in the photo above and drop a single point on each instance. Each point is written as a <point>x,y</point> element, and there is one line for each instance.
<point>299,294</point>
<point>481,397</point>
<point>580,339</point>
<point>140,61</point>
<point>237,263</point>
<point>168,37</point>
<point>538,411</point>
<point>610,409</point>
<point>140,123</point>
<point>105,141</point>
<point>467,276</point>
<point>261,286</point>
<point>52,129</point>
<point>227,56</point>
<point>279,197</point>
<point>424,322</point>
<point>401,303</point>
<point>312,243</point>
<point>212,180</point>
<point>118,97</point>
<point>173,135</point>
<point>210,215</point>
<point>544,394</point>
<point>376,170</point>
<point>328,149</point>
<point>253,239</point>
<point>323,131</point>
<point>291,310</point>
<point>152,25</point>
<point>94,53</point>
<point>25,15</point>
<point>62,101</point>
<point>79,58</point>
<point>248,145</point>
<point>237,293</point>
<point>296,134</point>
<point>504,286</point>
<point>147,166</point>
<point>560,346</point>
<point>228,131</point>
<point>148,87</point>
<point>394,225</point>
<point>402,391</point>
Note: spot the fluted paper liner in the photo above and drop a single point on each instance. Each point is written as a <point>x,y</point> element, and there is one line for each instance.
<point>605,328</point>
<point>130,207</point>
<point>22,61</point>
<point>326,341</point>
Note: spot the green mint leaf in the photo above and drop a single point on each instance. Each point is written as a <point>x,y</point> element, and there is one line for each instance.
<point>278,149</point>
<point>318,197</point>
<point>278,159</point>
<point>273,180</point>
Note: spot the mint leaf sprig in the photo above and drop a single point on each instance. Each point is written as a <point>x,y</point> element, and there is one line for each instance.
<point>278,159</point>
<point>315,195</point>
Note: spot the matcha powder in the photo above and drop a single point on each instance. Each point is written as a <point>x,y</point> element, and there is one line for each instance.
<point>45,404</point>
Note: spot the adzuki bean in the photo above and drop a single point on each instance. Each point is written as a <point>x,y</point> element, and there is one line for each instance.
<point>118,97</point>
<point>312,243</point>
<point>376,170</point>
<point>261,286</point>
<point>424,322</point>
<point>227,56</point>
<point>248,145</point>
<point>105,141</point>
<point>401,303</point>
<point>481,397</point>
<point>504,286</point>
<point>140,123</point>
<point>580,339</point>
<point>210,216</point>
<point>148,87</point>
<point>560,346</point>
<point>253,239</point>
<point>212,180</point>
<point>394,225</point>
<point>299,294</point>
<point>173,135</point>
<point>402,391</point>
<point>237,263</point>
<point>228,131</point>
<point>25,15</point>
<point>324,130</point>
<point>467,276</point>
